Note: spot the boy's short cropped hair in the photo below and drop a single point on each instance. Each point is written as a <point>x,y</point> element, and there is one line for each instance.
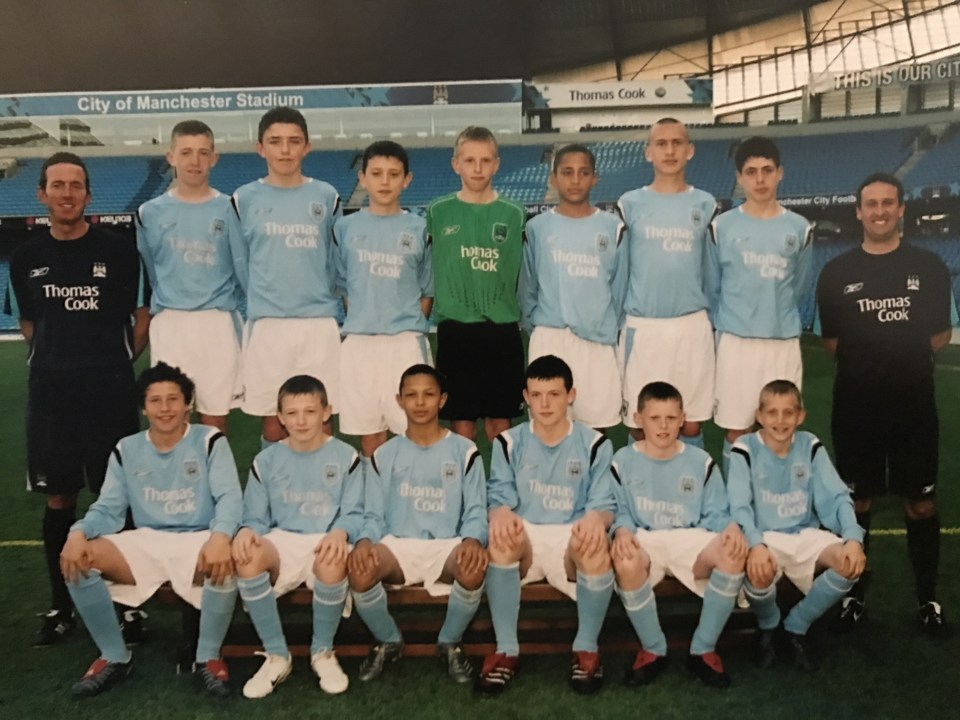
<point>385,148</point>
<point>161,372</point>
<point>881,177</point>
<point>282,114</point>
<point>548,367</point>
<point>658,390</point>
<point>782,387</point>
<point>475,133</point>
<point>302,385</point>
<point>423,369</point>
<point>191,127</point>
<point>570,150</point>
<point>756,146</point>
<point>66,158</point>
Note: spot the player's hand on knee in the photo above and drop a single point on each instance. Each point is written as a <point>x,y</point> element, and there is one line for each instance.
<point>332,549</point>
<point>734,543</point>
<point>76,559</point>
<point>625,546</point>
<point>215,560</point>
<point>853,561</point>
<point>589,535</point>
<point>243,545</point>
<point>363,561</point>
<point>471,557</point>
<point>761,566</point>
<point>506,529</point>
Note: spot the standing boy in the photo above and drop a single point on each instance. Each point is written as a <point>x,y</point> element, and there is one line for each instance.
<point>551,501</point>
<point>384,267</point>
<point>760,255</point>
<point>286,264</point>
<point>884,312</point>
<point>302,505</point>
<point>477,244</point>
<point>572,285</point>
<point>184,237</point>
<point>667,334</point>
<point>424,521</point>
<point>179,483</point>
<point>673,517</point>
<point>75,289</point>
<point>783,489</point>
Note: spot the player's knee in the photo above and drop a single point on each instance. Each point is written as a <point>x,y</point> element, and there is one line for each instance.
<point>690,429</point>
<point>758,582</point>
<point>919,509</point>
<point>631,571</point>
<point>62,502</point>
<point>729,564</point>
<point>329,572</point>
<point>861,506</point>
<point>471,580</point>
<point>592,563</point>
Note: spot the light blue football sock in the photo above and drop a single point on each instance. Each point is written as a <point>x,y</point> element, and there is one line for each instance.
<point>693,440</point>
<point>593,599</point>
<point>216,613</point>
<point>827,590</point>
<point>92,601</point>
<point>641,607</point>
<point>718,601</point>
<point>763,602</point>
<point>328,602</point>
<point>372,608</point>
<point>261,603</point>
<point>461,607</point>
<point>727,445</point>
<point>503,598</point>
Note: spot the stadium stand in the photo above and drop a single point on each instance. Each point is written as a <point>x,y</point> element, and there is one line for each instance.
<point>7,323</point>
<point>938,166</point>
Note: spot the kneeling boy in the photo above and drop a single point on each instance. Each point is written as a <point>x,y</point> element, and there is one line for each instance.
<point>424,521</point>
<point>302,505</point>
<point>673,519</point>
<point>783,488</point>
<point>180,484</point>
<point>551,502</point>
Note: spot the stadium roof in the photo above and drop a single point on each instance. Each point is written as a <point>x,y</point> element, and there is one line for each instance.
<point>123,45</point>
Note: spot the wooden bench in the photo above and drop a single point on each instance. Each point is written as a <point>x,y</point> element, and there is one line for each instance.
<point>547,624</point>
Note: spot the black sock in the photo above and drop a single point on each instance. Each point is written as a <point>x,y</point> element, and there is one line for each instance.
<point>56,527</point>
<point>923,544</point>
<point>859,590</point>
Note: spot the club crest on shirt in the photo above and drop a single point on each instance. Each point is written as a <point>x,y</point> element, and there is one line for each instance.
<point>191,469</point>
<point>603,242</point>
<point>216,226</point>
<point>406,242</point>
<point>800,473</point>
<point>574,469</point>
<point>448,471</point>
<point>317,210</point>
<point>686,485</point>
<point>791,243</point>
<point>99,270</point>
<point>696,216</point>
<point>331,472</point>
<point>913,282</point>
<point>500,232</point>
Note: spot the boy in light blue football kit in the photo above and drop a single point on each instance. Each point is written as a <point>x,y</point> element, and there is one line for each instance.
<point>673,517</point>
<point>424,521</point>
<point>384,267</point>
<point>572,283</point>
<point>667,336</point>
<point>783,489</point>
<point>302,505</point>
<point>551,501</point>
<point>180,484</point>
<point>286,265</point>
<point>184,237</point>
<point>760,258</point>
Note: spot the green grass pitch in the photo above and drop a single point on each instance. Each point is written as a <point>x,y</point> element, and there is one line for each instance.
<point>886,669</point>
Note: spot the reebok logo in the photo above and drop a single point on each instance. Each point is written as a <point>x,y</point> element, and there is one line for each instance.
<point>39,272</point>
<point>451,230</point>
<point>852,288</point>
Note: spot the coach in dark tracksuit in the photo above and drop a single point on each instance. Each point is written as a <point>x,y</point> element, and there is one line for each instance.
<point>884,311</point>
<point>79,294</point>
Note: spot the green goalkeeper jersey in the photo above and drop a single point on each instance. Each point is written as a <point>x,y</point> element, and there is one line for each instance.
<point>477,250</point>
